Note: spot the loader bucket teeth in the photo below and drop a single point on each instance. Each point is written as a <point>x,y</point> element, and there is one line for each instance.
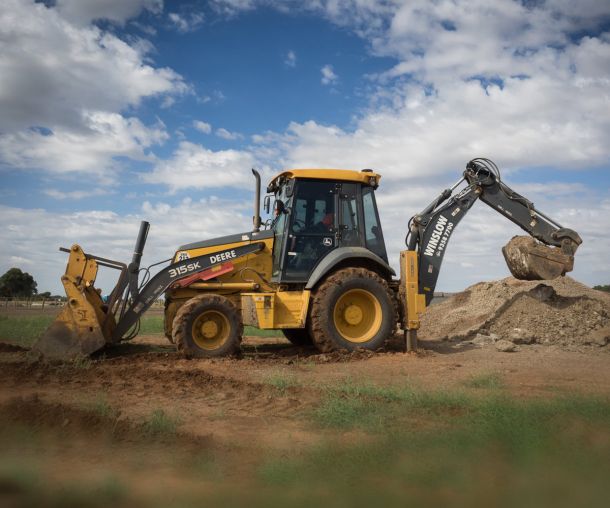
<point>528,259</point>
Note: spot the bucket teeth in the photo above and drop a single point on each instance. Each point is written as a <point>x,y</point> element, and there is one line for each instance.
<point>528,259</point>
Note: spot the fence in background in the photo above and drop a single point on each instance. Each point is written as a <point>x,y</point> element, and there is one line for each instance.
<point>45,303</point>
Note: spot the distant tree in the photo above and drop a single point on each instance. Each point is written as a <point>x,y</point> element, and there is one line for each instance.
<point>605,288</point>
<point>15,283</point>
<point>46,294</point>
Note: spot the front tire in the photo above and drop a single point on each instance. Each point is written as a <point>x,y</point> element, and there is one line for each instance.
<point>207,326</point>
<point>351,309</point>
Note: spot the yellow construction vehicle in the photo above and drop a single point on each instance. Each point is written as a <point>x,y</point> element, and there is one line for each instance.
<point>318,270</point>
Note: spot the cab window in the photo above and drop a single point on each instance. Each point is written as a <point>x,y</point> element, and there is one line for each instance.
<point>372,228</point>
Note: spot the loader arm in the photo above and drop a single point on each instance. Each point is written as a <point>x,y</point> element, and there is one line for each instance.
<point>143,299</point>
<point>431,230</point>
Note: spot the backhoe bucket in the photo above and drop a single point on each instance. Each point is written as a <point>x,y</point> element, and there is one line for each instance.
<point>83,326</point>
<point>528,259</point>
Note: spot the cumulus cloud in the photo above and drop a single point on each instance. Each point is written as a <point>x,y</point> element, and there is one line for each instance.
<point>328,75</point>
<point>110,235</point>
<point>194,166</point>
<point>228,135</point>
<point>187,22</point>
<point>73,81</point>
<point>204,127</point>
<point>90,149</point>
<point>118,11</point>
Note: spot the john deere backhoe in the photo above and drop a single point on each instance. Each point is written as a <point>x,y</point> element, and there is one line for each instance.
<point>318,270</point>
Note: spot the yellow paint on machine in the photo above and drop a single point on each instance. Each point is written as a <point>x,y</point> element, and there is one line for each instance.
<point>82,326</point>
<point>414,303</point>
<point>284,309</point>
<point>339,175</point>
<point>260,262</point>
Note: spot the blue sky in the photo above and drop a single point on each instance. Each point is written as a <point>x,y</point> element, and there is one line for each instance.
<point>119,111</point>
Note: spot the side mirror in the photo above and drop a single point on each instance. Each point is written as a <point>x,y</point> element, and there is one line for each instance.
<point>267,203</point>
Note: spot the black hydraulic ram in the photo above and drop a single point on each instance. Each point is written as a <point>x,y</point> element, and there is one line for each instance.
<point>143,299</point>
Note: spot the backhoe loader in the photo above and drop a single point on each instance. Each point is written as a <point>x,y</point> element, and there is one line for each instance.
<point>318,269</point>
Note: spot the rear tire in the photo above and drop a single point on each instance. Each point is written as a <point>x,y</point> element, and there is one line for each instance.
<point>353,308</point>
<point>207,326</point>
<point>298,336</point>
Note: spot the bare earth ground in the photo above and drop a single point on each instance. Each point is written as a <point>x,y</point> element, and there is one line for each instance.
<point>220,420</point>
<point>457,423</point>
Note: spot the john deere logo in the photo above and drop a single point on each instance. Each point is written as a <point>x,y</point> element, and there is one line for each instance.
<point>327,242</point>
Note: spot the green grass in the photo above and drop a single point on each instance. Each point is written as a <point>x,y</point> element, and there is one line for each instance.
<point>159,423</point>
<point>372,407</point>
<point>101,407</point>
<point>23,330</point>
<point>257,332</point>
<point>281,381</point>
<point>448,448</point>
<point>491,381</point>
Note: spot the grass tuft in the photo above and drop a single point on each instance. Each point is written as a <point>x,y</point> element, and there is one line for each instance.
<point>159,423</point>
<point>491,381</point>
<point>281,381</point>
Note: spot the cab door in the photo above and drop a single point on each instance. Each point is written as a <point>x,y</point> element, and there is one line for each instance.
<point>312,231</point>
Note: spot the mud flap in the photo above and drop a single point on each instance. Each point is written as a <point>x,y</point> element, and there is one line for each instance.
<point>528,259</point>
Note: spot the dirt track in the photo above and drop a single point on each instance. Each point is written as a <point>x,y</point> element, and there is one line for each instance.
<point>243,392</point>
<point>91,421</point>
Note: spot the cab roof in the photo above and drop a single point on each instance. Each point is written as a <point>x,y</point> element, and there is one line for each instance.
<point>367,177</point>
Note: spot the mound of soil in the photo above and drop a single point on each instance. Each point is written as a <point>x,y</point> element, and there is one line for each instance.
<point>561,311</point>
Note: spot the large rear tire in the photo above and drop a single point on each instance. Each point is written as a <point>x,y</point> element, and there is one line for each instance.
<point>353,308</point>
<point>207,326</point>
<point>298,336</point>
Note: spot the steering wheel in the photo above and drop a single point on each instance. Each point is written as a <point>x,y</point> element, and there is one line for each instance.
<point>298,223</point>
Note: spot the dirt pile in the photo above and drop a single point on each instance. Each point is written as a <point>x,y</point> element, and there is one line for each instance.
<point>561,311</point>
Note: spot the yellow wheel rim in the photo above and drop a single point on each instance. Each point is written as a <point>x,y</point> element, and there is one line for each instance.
<point>210,330</point>
<point>357,315</point>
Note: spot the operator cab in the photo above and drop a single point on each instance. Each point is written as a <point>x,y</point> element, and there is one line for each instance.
<point>317,211</point>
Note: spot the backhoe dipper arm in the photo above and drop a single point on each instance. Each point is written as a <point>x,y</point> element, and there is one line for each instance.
<point>430,230</point>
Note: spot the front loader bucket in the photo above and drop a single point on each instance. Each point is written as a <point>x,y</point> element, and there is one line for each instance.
<point>73,334</point>
<point>83,326</point>
<point>528,259</point>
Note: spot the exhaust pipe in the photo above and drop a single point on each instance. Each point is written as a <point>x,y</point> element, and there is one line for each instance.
<point>256,219</point>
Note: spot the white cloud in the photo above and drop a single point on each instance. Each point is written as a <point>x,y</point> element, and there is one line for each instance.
<point>61,195</point>
<point>90,149</point>
<point>328,75</point>
<point>194,166</point>
<point>204,127</point>
<point>232,7</point>
<point>73,81</point>
<point>228,135</point>
<point>118,11</point>
<point>108,234</point>
<point>291,59</point>
<point>186,22</point>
